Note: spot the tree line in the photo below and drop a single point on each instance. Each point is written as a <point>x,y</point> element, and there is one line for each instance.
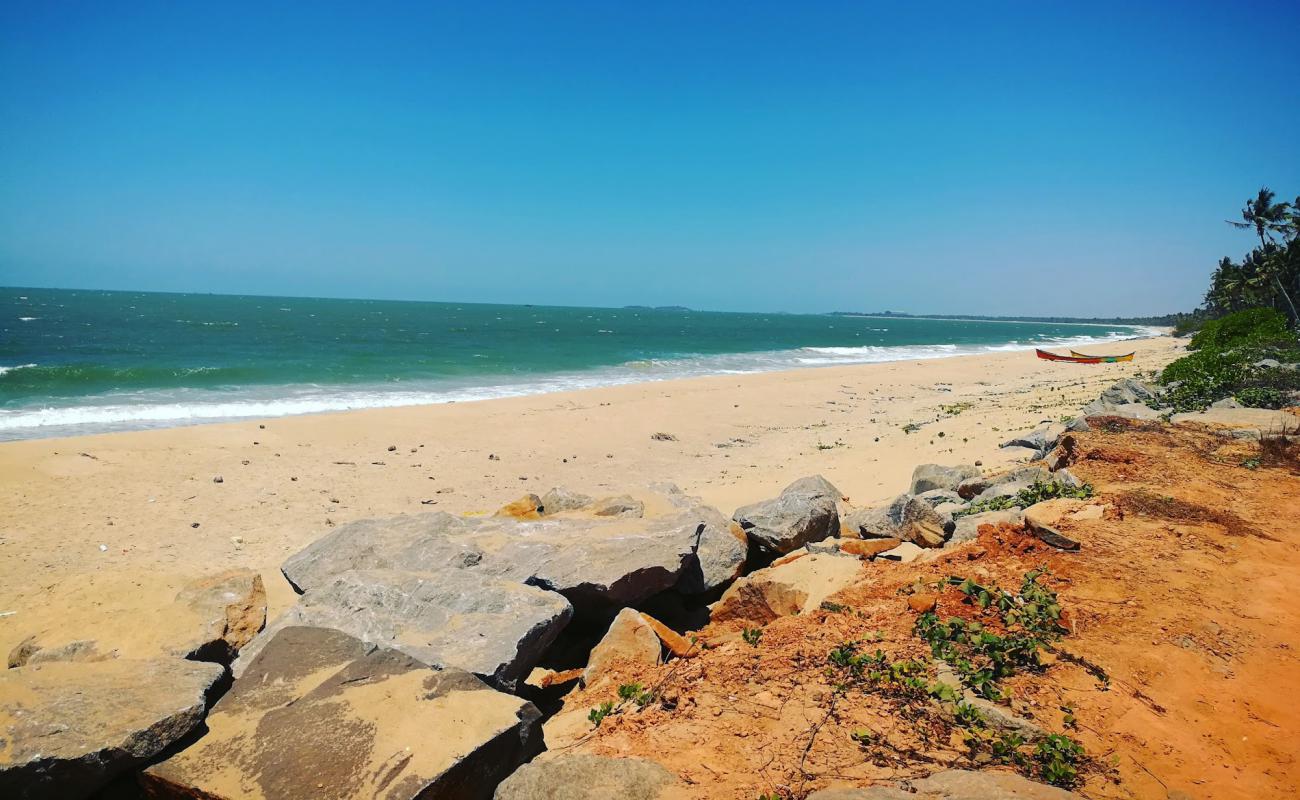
<point>1269,275</point>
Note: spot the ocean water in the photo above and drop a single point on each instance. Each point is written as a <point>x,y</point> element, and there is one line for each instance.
<point>75,362</point>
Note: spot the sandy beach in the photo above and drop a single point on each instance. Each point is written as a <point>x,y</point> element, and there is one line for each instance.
<point>99,531</point>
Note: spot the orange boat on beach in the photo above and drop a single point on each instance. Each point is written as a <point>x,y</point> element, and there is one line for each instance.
<point>1082,358</point>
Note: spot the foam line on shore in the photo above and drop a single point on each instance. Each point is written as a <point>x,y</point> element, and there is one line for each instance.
<point>173,407</point>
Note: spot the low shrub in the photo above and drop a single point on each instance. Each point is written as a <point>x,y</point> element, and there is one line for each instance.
<point>1255,326</point>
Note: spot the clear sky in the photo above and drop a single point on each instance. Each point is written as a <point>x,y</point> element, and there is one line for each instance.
<point>1027,157</point>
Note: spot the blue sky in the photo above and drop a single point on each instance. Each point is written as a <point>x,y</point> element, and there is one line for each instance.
<point>1017,158</point>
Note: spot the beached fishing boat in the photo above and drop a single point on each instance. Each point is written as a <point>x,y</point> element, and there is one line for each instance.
<point>1079,358</point>
<point>1105,359</point>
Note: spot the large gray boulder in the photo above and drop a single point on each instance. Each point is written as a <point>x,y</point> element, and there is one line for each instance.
<point>580,776</point>
<point>804,512</point>
<point>597,563</point>
<point>927,477</point>
<point>908,517</point>
<point>321,714</point>
<point>954,784</point>
<point>68,728</point>
<point>494,628</point>
<point>413,543</point>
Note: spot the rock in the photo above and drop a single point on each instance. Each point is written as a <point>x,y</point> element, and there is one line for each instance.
<point>960,784</point>
<point>802,513</point>
<point>905,553</point>
<point>1063,455</point>
<point>621,506</point>
<point>954,785</point>
<point>1049,513</point>
<point>817,485</point>
<point>527,507</point>
<point>972,486</point>
<point>1041,439</point>
<point>1017,453</point>
<point>413,543</point>
<point>210,619</point>
<point>921,603</point>
<point>599,564</point>
<point>866,548</point>
<point>1267,363</point>
<point>797,587</point>
<point>321,714</point>
<point>231,609</point>
<point>870,793</point>
<point>1128,390</point>
<point>677,644</point>
<point>927,477</point>
<point>1078,425</point>
<point>947,510</point>
<point>629,639</point>
<point>495,628</point>
<point>663,437</point>
<point>559,500</point>
<point>68,728</point>
<point>34,650</point>
<point>1227,402</point>
<point>1051,536</point>
<point>580,776</point>
<point>968,526</point>
<point>938,497</point>
<point>908,518</point>
<point>720,550</point>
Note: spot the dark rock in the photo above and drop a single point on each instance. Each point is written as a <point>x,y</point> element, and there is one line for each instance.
<point>802,513</point>
<point>937,497</point>
<point>908,518</point>
<point>70,727</point>
<point>936,476</point>
<point>321,714</point>
<point>579,776</point>
<point>815,484</point>
<point>1042,438</point>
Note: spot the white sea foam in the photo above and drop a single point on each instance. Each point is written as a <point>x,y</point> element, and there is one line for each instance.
<point>5,370</point>
<point>172,407</point>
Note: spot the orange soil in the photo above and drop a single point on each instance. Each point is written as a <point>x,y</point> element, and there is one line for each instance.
<point>1183,592</point>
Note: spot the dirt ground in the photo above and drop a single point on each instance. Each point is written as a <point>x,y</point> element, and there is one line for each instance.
<point>1182,593</point>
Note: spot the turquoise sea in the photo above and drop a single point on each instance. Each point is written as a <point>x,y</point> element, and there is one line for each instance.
<point>87,361</point>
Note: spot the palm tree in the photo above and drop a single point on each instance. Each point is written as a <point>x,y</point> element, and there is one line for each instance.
<point>1268,218</point>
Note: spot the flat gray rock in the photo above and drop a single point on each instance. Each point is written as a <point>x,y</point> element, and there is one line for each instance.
<point>320,714</point>
<point>68,728</point>
<point>578,776</point>
<point>598,563</point>
<point>413,543</point>
<point>494,628</point>
<point>802,513</point>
